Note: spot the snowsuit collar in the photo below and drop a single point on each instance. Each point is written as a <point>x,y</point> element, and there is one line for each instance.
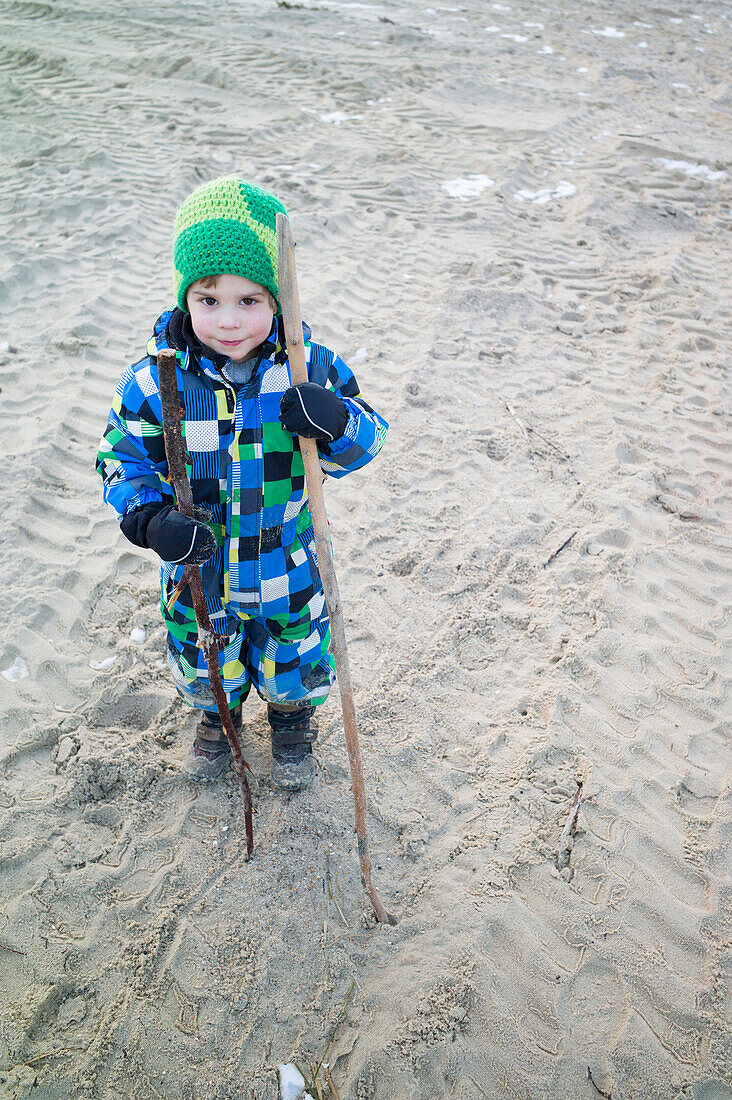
<point>173,330</point>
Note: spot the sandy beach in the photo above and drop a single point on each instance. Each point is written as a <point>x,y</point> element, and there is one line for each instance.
<point>513,222</point>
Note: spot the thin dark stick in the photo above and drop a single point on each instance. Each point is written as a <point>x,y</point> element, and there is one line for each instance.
<point>596,1087</point>
<point>15,950</point>
<point>559,549</point>
<point>292,317</point>
<point>207,639</point>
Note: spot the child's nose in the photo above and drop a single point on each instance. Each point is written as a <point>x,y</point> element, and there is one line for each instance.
<point>229,318</point>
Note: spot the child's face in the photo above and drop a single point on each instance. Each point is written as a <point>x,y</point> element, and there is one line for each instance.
<point>233,316</point>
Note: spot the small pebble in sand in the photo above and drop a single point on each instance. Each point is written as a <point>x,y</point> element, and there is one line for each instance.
<point>138,634</point>
<point>66,749</point>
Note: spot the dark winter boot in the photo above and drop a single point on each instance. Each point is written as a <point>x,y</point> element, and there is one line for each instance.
<point>210,753</point>
<point>293,734</point>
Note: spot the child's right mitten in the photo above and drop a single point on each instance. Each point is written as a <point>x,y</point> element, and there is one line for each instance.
<point>176,538</point>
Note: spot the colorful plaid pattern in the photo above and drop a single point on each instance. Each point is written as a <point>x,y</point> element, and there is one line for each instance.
<point>248,472</point>
<point>287,663</point>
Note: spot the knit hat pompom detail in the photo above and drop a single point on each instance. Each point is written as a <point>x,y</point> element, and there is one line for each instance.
<point>226,227</point>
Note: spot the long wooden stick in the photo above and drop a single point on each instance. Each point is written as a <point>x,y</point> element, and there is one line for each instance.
<point>207,639</point>
<point>292,317</point>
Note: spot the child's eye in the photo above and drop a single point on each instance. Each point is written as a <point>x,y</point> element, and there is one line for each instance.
<point>208,301</point>
<point>249,301</point>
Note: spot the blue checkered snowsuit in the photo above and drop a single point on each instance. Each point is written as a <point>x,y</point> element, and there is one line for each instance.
<point>262,587</point>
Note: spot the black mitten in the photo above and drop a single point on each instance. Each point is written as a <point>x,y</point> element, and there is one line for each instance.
<point>173,536</point>
<point>314,412</point>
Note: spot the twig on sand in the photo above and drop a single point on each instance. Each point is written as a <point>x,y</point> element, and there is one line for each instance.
<point>571,825</point>
<point>176,455</point>
<point>40,1058</point>
<point>333,1031</point>
<point>526,428</point>
<point>559,549</point>
<point>480,1088</point>
<point>562,453</point>
<point>329,1080</point>
<point>480,813</point>
<point>15,950</point>
<point>596,1087</point>
<point>513,413</point>
<point>331,895</point>
<point>312,1084</point>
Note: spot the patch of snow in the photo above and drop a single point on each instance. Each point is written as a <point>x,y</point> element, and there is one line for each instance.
<point>17,671</point>
<point>106,662</point>
<point>562,191</point>
<point>292,1083</point>
<point>338,117</point>
<point>467,188</point>
<point>689,168</point>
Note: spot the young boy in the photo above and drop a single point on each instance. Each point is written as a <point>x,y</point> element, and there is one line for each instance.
<point>253,535</point>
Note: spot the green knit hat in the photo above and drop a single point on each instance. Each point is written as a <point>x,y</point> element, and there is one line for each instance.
<point>226,227</point>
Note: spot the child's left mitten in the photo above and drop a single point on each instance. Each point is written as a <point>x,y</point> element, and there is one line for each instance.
<point>314,412</point>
